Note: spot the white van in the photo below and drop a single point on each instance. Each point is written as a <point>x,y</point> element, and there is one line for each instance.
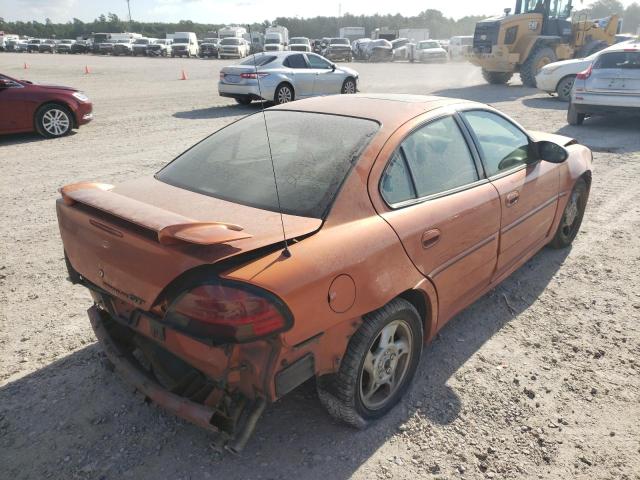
<point>185,44</point>
<point>459,46</point>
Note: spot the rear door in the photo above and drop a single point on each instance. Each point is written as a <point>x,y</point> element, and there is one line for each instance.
<point>303,77</point>
<point>444,212</point>
<point>616,73</point>
<point>528,188</point>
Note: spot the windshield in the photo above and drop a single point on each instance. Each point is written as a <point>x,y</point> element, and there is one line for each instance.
<point>210,40</point>
<point>627,60</point>
<point>339,41</point>
<point>423,45</point>
<point>123,41</point>
<point>180,40</point>
<point>233,164</point>
<point>66,42</point>
<point>272,40</point>
<point>230,41</point>
<point>142,41</point>
<point>300,41</point>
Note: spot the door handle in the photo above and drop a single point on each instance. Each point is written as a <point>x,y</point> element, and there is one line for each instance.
<point>430,238</point>
<point>512,198</point>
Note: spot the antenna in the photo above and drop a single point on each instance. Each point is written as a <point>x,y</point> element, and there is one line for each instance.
<point>286,252</point>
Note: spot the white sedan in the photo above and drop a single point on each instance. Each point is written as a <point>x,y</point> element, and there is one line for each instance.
<point>558,77</point>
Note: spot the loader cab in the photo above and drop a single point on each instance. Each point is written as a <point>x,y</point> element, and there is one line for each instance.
<point>556,15</point>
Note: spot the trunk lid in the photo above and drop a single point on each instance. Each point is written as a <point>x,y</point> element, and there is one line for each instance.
<point>135,239</point>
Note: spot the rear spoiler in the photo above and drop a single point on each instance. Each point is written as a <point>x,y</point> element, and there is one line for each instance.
<point>171,227</point>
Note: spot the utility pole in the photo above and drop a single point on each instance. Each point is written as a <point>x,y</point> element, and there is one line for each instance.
<point>339,10</point>
<point>129,8</point>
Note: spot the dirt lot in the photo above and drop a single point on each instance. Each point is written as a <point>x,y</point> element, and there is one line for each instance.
<point>538,379</point>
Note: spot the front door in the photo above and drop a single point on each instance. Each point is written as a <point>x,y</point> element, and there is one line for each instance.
<point>13,110</point>
<point>303,76</point>
<point>327,82</point>
<point>528,188</point>
<point>445,214</point>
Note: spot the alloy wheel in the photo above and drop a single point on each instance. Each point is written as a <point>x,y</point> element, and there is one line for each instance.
<point>349,87</point>
<point>284,94</point>
<point>56,122</point>
<point>386,364</point>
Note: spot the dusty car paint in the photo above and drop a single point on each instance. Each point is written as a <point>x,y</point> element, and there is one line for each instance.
<point>361,256</point>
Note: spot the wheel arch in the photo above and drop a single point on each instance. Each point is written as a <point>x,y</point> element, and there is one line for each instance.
<point>60,103</point>
<point>425,303</point>
<point>284,81</point>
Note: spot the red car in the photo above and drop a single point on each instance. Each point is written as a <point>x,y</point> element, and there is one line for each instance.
<point>50,110</point>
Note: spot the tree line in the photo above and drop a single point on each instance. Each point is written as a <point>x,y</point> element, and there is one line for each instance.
<point>317,27</point>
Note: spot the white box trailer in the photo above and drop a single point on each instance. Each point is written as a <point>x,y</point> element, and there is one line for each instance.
<point>276,38</point>
<point>414,34</point>
<point>352,33</point>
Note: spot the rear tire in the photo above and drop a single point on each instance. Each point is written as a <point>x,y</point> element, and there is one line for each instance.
<point>573,117</point>
<point>387,344</point>
<point>572,216</point>
<point>538,58</point>
<point>496,78</point>
<point>564,88</point>
<point>284,94</point>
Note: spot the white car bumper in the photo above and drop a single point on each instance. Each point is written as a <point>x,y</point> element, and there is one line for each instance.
<point>546,82</point>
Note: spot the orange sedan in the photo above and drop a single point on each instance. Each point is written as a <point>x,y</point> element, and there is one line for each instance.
<point>216,293</point>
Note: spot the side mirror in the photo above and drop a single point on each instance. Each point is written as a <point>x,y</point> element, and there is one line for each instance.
<point>551,152</point>
<point>507,11</point>
<point>5,83</point>
<point>333,67</point>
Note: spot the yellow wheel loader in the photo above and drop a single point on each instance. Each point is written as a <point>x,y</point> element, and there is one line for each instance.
<point>537,33</point>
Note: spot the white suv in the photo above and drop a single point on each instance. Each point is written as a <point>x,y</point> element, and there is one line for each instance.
<point>611,84</point>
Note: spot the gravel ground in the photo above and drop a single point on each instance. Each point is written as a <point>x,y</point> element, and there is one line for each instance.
<point>537,379</point>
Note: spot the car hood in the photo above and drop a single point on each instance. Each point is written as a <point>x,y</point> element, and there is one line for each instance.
<point>348,71</point>
<point>52,87</point>
<point>579,63</point>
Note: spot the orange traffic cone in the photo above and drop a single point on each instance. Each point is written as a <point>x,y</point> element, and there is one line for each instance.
<point>184,75</point>
<point>25,65</point>
<point>86,70</point>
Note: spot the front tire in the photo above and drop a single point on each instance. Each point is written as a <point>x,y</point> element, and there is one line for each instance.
<point>284,94</point>
<point>572,216</point>
<point>496,78</point>
<point>348,86</point>
<point>53,121</point>
<point>564,88</point>
<point>540,57</point>
<point>378,366</point>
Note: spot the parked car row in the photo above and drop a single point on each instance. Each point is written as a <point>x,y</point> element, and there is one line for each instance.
<point>607,81</point>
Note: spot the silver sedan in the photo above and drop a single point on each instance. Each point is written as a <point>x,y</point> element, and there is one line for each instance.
<point>282,77</point>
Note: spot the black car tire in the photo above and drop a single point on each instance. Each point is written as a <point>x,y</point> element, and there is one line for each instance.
<point>281,94</point>
<point>539,57</point>
<point>53,109</point>
<point>576,205</point>
<point>342,393</point>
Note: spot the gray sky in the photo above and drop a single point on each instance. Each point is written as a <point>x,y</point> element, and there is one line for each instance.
<point>238,11</point>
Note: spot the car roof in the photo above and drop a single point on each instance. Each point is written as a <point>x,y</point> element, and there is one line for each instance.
<point>391,110</point>
<point>626,46</point>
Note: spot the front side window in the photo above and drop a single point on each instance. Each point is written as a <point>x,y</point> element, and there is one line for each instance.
<point>233,164</point>
<point>318,62</point>
<point>503,146</point>
<point>295,61</point>
<point>439,158</point>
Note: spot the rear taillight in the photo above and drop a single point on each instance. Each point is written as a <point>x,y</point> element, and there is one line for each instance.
<point>585,74</point>
<point>228,312</point>
<point>253,75</point>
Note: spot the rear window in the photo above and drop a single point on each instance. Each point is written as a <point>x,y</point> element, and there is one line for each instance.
<point>233,164</point>
<point>258,60</point>
<point>618,60</point>
<point>230,41</point>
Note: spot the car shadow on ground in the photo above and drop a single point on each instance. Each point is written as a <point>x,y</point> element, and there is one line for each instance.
<point>546,103</point>
<point>614,133</point>
<point>23,138</point>
<point>220,111</point>
<point>488,93</point>
<point>76,418</point>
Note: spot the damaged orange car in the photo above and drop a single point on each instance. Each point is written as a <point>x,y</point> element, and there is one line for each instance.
<point>397,213</point>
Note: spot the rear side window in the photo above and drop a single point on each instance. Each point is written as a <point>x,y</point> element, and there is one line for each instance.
<point>258,60</point>
<point>503,145</point>
<point>618,60</point>
<point>233,164</point>
<point>295,61</point>
<point>396,185</point>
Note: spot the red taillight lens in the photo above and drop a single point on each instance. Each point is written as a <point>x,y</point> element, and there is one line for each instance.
<point>253,75</point>
<point>229,313</point>
<point>585,74</point>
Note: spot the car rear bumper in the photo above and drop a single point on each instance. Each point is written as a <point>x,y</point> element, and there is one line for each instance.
<point>252,91</point>
<point>592,102</point>
<point>206,416</point>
